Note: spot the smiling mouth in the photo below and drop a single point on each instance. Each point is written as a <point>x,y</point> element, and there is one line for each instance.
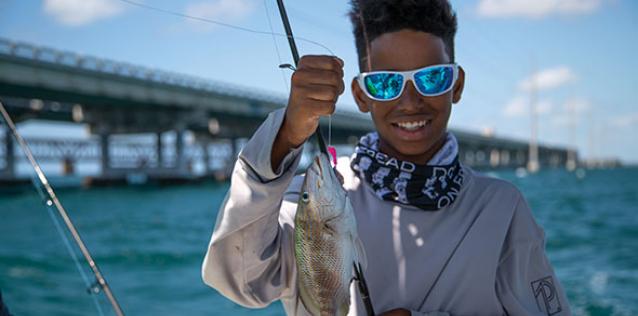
<point>412,126</point>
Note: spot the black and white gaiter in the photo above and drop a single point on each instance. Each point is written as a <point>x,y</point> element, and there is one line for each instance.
<point>429,187</point>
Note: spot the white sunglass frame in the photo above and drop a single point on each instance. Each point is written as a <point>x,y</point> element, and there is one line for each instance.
<point>408,76</point>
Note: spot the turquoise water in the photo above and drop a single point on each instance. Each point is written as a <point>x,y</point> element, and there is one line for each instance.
<point>149,243</point>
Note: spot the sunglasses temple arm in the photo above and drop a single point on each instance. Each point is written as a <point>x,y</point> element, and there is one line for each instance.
<point>295,56</point>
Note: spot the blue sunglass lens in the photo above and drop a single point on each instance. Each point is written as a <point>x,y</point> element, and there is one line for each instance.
<point>434,81</point>
<point>384,86</point>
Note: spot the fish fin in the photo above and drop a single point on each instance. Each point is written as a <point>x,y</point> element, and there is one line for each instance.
<point>361,257</point>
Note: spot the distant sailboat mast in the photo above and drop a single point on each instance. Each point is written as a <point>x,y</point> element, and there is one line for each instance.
<point>532,162</point>
<point>571,152</point>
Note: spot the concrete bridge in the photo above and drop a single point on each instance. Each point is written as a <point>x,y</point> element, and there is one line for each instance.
<point>119,98</point>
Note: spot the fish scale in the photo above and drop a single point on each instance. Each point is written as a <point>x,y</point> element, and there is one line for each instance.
<point>326,241</point>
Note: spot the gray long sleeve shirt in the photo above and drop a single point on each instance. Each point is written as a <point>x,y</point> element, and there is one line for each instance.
<point>482,255</point>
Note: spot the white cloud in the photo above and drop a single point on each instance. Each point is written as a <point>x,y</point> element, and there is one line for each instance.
<point>535,8</point>
<point>519,107</point>
<point>577,106</point>
<point>548,79</point>
<point>81,12</point>
<point>626,120</point>
<point>225,10</point>
<point>516,107</point>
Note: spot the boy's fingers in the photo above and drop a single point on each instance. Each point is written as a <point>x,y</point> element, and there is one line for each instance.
<point>321,62</point>
<point>318,76</point>
<point>321,92</point>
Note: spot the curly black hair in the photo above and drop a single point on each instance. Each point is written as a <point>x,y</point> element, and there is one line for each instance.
<point>373,18</point>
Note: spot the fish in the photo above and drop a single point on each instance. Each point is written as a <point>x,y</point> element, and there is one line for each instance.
<point>326,241</point>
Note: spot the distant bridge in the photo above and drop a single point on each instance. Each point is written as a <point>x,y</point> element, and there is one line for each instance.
<point>119,98</point>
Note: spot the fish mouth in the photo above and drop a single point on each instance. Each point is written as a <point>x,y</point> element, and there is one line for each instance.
<point>318,168</point>
<point>321,176</point>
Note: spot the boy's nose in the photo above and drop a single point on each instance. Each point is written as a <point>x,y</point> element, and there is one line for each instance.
<point>409,101</point>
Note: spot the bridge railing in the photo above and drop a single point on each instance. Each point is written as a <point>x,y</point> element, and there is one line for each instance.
<point>47,55</point>
<point>124,69</point>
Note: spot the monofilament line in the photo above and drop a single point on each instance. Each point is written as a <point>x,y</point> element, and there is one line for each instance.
<point>274,40</point>
<point>228,25</point>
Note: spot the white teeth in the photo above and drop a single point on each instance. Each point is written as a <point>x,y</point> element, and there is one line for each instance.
<point>412,125</point>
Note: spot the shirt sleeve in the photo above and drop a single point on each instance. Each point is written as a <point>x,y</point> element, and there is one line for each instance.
<point>525,282</point>
<point>250,258</point>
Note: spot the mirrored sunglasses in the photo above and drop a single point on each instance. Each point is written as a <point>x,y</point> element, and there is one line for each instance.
<point>389,85</point>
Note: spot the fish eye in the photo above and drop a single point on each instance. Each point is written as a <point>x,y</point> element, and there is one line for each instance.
<point>304,197</point>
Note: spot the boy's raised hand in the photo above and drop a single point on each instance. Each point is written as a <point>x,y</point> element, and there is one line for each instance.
<point>315,88</point>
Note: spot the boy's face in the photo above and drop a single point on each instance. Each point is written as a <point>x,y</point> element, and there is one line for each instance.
<point>401,51</point>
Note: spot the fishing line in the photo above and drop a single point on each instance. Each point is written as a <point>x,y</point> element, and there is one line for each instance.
<point>295,56</point>
<point>359,276</point>
<point>65,239</point>
<point>52,200</point>
<point>249,30</point>
<point>67,243</point>
<point>330,130</point>
<point>365,39</point>
<point>228,25</point>
<point>363,287</point>
<point>274,40</point>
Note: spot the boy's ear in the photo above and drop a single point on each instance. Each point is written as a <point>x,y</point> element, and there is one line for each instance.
<point>359,96</point>
<point>458,86</point>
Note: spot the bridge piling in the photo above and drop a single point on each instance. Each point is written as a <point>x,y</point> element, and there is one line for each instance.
<point>229,161</point>
<point>206,156</point>
<point>159,151</point>
<point>68,166</point>
<point>105,153</point>
<point>179,149</point>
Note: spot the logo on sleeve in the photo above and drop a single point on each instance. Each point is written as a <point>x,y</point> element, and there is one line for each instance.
<point>546,295</point>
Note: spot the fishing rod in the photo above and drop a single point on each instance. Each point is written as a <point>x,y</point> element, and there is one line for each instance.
<point>52,200</point>
<point>363,286</point>
<point>295,57</point>
<point>291,41</point>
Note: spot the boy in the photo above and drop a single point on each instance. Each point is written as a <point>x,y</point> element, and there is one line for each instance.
<point>440,239</point>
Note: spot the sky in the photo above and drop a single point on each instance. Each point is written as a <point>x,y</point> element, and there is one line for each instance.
<point>581,53</point>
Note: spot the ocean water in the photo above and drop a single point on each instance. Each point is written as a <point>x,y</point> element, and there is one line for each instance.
<point>149,243</point>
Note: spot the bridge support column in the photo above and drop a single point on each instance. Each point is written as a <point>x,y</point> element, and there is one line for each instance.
<point>68,166</point>
<point>9,168</point>
<point>495,158</point>
<point>206,156</point>
<point>179,149</point>
<point>160,152</point>
<point>105,158</point>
